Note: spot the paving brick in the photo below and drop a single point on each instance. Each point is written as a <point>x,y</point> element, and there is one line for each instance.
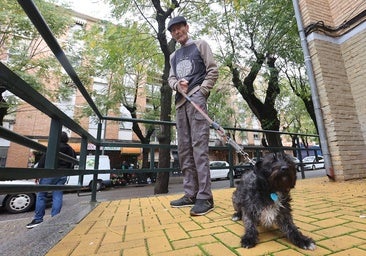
<point>302,218</point>
<point>64,248</point>
<point>270,235</point>
<point>319,209</point>
<point>118,222</point>
<point>306,226</point>
<point>110,248</point>
<point>193,241</point>
<point>151,227</point>
<point>132,243</point>
<point>355,217</point>
<point>229,239</point>
<point>360,234</point>
<point>218,222</point>
<point>328,215</point>
<point>83,227</point>
<point>335,231</point>
<point>134,227</point>
<point>140,251</point>
<point>317,252</point>
<point>356,225</point>
<point>111,237</point>
<point>200,220</point>
<point>151,221</point>
<point>288,252</point>
<point>237,228</point>
<point>158,244</point>
<point>144,235</point>
<point>313,235</point>
<point>217,249</point>
<point>341,243</point>
<point>88,245</point>
<point>183,252</point>
<point>176,233</point>
<point>166,217</point>
<point>330,222</point>
<point>266,248</point>
<point>350,252</point>
<point>363,246</point>
<point>207,231</point>
<point>189,225</point>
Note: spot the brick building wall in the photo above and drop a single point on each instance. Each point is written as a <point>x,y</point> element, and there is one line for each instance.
<point>339,65</point>
<point>29,122</point>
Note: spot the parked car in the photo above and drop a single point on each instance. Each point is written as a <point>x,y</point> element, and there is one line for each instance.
<point>297,163</point>
<point>220,173</point>
<point>311,163</point>
<point>20,202</point>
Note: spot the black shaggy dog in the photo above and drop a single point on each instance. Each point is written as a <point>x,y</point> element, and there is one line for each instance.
<point>263,197</point>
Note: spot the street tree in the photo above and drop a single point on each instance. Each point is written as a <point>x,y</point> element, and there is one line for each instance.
<point>23,50</point>
<point>296,78</point>
<point>126,58</point>
<point>252,37</point>
<point>155,13</point>
<point>295,118</point>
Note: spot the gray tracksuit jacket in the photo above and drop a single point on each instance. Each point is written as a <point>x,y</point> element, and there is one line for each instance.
<point>193,62</point>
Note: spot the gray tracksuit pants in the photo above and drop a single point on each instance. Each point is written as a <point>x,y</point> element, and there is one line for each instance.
<point>193,137</point>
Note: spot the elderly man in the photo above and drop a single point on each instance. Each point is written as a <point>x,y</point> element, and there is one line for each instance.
<point>193,72</point>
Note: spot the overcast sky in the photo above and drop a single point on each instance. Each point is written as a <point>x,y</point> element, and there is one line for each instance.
<point>94,8</point>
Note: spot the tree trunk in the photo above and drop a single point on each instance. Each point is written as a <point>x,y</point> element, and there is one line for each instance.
<point>264,111</point>
<point>162,180</point>
<point>3,105</point>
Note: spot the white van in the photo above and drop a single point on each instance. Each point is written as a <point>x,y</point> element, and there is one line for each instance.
<point>103,178</point>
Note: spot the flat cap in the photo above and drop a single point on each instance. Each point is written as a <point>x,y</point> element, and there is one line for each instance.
<point>176,20</point>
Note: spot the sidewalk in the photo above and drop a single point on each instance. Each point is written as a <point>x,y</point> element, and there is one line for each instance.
<point>333,214</point>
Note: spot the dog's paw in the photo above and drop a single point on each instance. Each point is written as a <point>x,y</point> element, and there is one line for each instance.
<point>311,246</point>
<point>307,244</point>
<point>235,217</point>
<point>248,242</point>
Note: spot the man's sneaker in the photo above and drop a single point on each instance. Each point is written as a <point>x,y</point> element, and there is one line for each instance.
<point>202,206</point>
<point>34,223</point>
<point>183,202</point>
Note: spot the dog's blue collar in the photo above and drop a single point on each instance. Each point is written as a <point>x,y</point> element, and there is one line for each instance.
<point>274,196</point>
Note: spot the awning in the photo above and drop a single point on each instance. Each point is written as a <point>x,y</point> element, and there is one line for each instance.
<point>126,150</point>
<point>132,151</point>
<point>75,146</point>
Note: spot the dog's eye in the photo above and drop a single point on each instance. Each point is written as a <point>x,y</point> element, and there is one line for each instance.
<point>284,168</point>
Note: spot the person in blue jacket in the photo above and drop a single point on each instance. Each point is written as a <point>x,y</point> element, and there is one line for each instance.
<point>57,196</point>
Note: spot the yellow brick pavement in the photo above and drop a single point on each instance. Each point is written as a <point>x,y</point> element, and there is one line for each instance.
<point>334,214</point>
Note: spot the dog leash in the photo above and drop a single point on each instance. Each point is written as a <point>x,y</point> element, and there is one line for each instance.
<point>220,131</point>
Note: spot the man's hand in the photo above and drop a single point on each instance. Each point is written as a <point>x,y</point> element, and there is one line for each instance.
<point>182,86</point>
